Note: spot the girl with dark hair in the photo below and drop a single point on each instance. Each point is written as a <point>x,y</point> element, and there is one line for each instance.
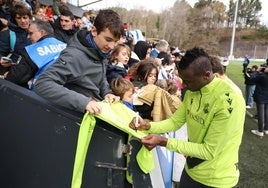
<point>145,72</point>
<point>142,49</point>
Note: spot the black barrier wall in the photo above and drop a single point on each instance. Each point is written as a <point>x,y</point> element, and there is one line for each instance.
<point>38,143</point>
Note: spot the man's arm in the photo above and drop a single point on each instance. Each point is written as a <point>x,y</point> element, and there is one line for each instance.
<point>51,86</point>
<point>224,132</point>
<point>173,123</point>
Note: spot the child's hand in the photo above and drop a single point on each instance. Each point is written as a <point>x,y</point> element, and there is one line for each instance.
<point>111,98</point>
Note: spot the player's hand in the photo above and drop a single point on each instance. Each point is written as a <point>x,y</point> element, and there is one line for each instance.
<point>153,140</point>
<point>138,123</point>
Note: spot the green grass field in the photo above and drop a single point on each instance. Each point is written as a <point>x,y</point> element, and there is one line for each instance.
<point>253,155</point>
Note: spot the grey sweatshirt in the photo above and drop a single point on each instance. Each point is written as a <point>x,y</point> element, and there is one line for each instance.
<point>77,76</point>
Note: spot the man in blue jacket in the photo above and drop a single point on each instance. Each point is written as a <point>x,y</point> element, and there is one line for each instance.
<point>245,63</point>
<point>38,56</point>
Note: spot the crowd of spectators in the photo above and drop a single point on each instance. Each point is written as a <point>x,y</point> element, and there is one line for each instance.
<point>16,17</point>
<point>75,62</point>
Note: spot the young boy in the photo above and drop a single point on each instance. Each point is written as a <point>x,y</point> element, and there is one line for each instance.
<point>77,80</point>
<point>125,90</point>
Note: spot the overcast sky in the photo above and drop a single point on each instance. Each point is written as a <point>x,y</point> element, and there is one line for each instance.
<point>159,5</point>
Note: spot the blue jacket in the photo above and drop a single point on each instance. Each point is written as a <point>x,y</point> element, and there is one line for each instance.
<point>114,71</point>
<point>248,80</point>
<point>154,53</point>
<point>44,53</point>
<point>27,68</point>
<point>21,40</point>
<point>246,62</point>
<point>261,90</point>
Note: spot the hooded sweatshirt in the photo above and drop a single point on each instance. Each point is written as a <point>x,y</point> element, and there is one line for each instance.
<point>77,76</point>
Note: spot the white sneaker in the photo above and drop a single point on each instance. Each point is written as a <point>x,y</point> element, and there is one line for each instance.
<point>265,132</point>
<point>256,132</point>
<point>248,107</point>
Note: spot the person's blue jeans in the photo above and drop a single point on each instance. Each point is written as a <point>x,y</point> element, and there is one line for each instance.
<point>249,95</point>
<point>262,110</point>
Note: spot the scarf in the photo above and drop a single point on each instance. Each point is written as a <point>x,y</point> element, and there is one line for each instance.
<point>90,40</point>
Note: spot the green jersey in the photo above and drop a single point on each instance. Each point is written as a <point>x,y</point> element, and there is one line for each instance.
<point>215,117</point>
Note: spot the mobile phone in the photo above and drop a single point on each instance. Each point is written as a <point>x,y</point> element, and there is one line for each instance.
<point>9,60</point>
<point>12,58</point>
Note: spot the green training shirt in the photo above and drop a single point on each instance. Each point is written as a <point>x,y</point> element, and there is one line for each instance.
<point>215,117</point>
